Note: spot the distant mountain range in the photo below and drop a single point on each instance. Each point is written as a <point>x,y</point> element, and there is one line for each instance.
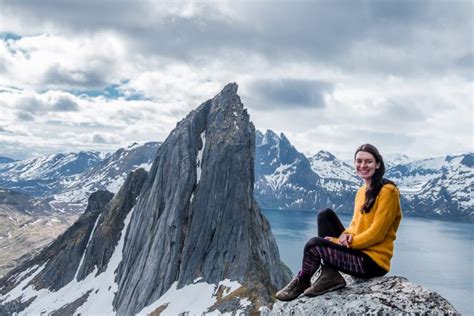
<point>67,180</point>
<point>284,178</point>
<point>436,187</point>
<point>6,159</point>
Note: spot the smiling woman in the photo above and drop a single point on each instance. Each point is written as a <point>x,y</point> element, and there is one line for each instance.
<point>365,248</point>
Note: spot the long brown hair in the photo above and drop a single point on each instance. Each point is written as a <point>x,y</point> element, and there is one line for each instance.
<point>378,181</point>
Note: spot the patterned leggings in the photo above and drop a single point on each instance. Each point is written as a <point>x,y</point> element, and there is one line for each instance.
<point>319,250</point>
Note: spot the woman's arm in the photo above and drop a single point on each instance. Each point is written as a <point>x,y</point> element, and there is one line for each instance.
<point>351,228</point>
<point>384,217</point>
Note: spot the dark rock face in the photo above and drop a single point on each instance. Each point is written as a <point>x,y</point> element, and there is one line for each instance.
<point>110,225</point>
<point>468,160</point>
<point>196,217</point>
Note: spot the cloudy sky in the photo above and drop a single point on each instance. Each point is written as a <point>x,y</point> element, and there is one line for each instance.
<point>80,75</point>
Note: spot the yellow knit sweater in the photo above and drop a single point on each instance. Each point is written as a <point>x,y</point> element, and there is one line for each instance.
<point>374,232</point>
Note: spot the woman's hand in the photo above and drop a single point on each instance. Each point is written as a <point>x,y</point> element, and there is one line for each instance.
<point>345,240</point>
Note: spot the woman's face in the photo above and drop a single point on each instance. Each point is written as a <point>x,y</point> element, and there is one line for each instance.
<point>365,165</point>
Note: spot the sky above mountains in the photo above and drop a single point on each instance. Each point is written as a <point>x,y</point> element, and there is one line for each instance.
<point>79,75</point>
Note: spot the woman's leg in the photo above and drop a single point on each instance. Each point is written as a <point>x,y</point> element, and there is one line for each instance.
<point>344,259</point>
<point>329,224</point>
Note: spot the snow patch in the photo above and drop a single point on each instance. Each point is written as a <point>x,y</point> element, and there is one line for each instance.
<point>193,299</point>
<point>87,246</point>
<point>199,157</point>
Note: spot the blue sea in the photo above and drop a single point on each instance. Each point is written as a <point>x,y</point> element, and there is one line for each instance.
<point>436,254</point>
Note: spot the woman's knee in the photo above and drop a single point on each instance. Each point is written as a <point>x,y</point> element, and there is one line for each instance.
<point>315,241</point>
<point>325,214</point>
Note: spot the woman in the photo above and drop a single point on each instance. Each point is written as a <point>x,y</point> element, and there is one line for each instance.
<point>365,248</point>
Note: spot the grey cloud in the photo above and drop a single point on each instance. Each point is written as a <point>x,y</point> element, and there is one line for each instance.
<point>24,116</point>
<point>30,104</point>
<point>466,61</point>
<point>382,137</point>
<point>97,138</point>
<point>128,116</point>
<point>291,93</point>
<point>404,110</point>
<point>397,11</point>
<point>92,125</point>
<point>58,76</point>
<point>33,105</point>
<point>3,130</point>
<point>313,30</point>
<point>65,104</point>
<point>104,139</point>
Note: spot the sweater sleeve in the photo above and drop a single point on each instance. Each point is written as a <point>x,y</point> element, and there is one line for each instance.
<point>384,216</point>
<point>351,228</point>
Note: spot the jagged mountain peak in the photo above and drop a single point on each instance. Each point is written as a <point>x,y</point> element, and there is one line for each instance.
<point>212,199</point>
<point>270,137</point>
<point>195,222</point>
<point>468,160</point>
<point>324,155</point>
<point>284,140</point>
<point>393,159</point>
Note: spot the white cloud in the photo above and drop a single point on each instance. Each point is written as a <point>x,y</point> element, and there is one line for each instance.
<point>398,75</point>
<point>59,62</point>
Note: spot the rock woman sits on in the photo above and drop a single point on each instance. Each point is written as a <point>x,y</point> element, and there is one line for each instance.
<point>365,248</point>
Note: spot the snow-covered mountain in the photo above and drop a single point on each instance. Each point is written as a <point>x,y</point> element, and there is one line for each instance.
<point>284,178</point>
<point>395,159</point>
<point>6,159</point>
<point>67,179</point>
<point>108,174</point>
<point>335,174</point>
<point>439,186</point>
<point>436,187</point>
<point>43,175</point>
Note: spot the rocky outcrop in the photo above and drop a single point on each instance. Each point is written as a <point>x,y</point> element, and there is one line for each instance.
<point>197,218</point>
<point>377,296</point>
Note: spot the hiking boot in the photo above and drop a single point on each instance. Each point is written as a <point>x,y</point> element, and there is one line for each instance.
<point>329,280</point>
<point>293,289</point>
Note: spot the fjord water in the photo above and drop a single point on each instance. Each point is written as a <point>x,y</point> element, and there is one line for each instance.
<point>436,254</point>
